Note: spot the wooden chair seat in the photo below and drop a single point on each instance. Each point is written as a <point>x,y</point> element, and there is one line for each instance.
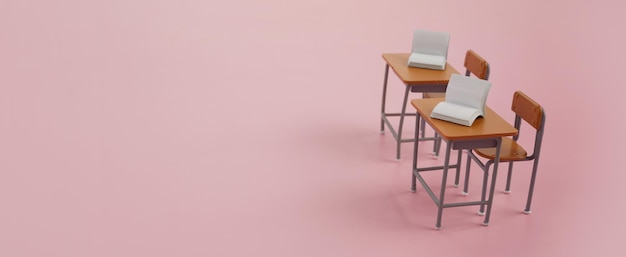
<point>509,151</point>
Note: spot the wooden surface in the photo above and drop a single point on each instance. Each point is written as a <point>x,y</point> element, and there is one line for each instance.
<point>510,151</point>
<point>476,64</point>
<point>527,108</point>
<point>490,126</point>
<point>417,76</point>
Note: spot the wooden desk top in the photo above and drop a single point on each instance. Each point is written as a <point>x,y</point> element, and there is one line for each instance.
<point>490,126</point>
<point>417,76</point>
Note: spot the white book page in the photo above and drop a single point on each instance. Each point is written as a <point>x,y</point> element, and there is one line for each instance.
<point>467,91</point>
<point>454,111</point>
<point>427,59</point>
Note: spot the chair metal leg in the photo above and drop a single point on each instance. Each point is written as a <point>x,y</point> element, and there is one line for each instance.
<point>423,129</point>
<point>507,188</point>
<point>436,146</point>
<point>435,136</point>
<point>532,186</point>
<point>444,179</point>
<point>494,175</point>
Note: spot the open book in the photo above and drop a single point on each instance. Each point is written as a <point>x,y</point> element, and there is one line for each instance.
<point>465,100</point>
<point>429,50</point>
<point>427,61</point>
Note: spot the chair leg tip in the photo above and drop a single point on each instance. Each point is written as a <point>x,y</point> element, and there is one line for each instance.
<point>481,213</point>
<point>382,132</point>
<point>507,191</point>
<point>527,212</point>
<point>465,193</point>
<point>485,224</point>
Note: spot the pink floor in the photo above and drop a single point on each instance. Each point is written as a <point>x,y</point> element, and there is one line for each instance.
<point>251,128</point>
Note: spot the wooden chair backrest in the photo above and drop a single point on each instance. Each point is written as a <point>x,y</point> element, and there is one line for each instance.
<point>527,109</point>
<point>476,65</point>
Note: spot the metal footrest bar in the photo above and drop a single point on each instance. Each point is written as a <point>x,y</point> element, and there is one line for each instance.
<point>398,114</point>
<point>395,134</point>
<point>415,171</point>
<point>459,204</point>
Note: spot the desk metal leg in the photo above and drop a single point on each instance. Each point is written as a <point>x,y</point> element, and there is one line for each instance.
<point>444,179</point>
<point>415,148</point>
<point>507,189</point>
<point>382,109</point>
<point>532,184</point>
<point>402,112</point>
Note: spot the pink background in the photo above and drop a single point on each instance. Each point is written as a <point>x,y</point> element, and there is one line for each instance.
<point>251,128</point>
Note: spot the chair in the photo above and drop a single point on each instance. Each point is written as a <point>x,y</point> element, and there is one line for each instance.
<point>474,64</point>
<point>525,109</point>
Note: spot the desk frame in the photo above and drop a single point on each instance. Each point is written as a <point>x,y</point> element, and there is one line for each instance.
<point>468,142</point>
<point>437,83</point>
